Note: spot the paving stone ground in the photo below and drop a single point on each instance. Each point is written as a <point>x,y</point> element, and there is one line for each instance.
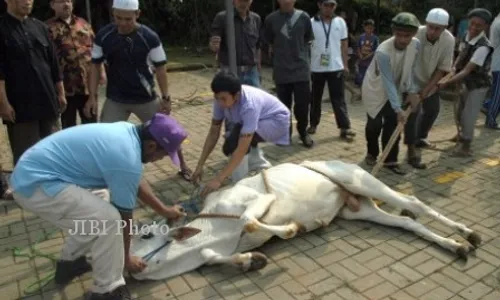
<point>347,260</point>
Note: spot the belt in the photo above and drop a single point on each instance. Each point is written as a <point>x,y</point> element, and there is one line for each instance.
<point>238,68</point>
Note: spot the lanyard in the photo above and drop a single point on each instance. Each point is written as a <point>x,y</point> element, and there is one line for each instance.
<point>327,33</point>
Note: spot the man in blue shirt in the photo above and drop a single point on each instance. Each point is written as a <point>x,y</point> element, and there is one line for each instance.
<point>52,179</point>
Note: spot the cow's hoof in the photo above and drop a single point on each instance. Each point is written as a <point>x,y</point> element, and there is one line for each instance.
<point>474,239</point>
<point>294,229</point>
<point>251,227</point>
<point>462,252</point>
<point>409,214</point>
<point>321,223</point>
<point>258,261</point>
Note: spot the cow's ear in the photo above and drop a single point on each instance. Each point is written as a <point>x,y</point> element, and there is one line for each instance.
<point>185,233</point>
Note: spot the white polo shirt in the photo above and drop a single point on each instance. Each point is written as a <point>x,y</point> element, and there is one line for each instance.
<point>433,56</point>
<point>338,32</point>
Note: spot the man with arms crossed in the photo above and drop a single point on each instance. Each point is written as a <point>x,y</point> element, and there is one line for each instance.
<point>434,61</point>
<point>129,48</point>
<point>52,179</point>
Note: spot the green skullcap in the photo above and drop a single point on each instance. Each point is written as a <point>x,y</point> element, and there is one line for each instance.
<point>405,20</point>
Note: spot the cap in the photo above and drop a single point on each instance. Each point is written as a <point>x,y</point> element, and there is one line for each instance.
<point>406,19</point>
<point>438,16</point>
<point>481,13</point>
<point>168,133</point>
<point>126,4</point>
<point>328,1</point>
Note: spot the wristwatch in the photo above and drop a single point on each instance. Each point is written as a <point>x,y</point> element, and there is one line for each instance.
<point>165,98</point>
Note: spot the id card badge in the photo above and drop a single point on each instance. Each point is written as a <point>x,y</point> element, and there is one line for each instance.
<point>325,60</point>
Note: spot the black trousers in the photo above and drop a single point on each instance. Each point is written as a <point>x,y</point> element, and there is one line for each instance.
<point>23,135</point>
<point>75,105</point>
<point>430,111</point>
<point>231,142</point>
<point>335,81</point>
<point>385,122</point>
<point>420,123</point>
<point>301,93</point>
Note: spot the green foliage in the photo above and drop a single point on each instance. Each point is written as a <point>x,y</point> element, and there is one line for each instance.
<point>187,22</point>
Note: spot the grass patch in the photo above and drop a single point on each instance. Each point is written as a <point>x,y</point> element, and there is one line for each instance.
<point>180,57</point>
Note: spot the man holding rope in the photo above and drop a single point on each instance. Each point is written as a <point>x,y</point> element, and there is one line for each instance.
<point>434,60</point>
<point>472,69</point>
<point>257,116</point>
<point>388,79</point>
<point>52,180</point>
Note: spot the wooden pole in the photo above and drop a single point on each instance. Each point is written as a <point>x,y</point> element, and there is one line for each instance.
<point>390,144</point>
<point>399,129</point>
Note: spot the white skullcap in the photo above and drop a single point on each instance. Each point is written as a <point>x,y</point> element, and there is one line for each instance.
<point>126,4</point>
<point>438,16</point>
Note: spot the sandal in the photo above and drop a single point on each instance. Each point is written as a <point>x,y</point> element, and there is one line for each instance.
<point>370,160</point>
<point>461,153</point>
<point>416,162</point>
<point>425,144</point>
<point>185,174</point>
<point>396,169</point>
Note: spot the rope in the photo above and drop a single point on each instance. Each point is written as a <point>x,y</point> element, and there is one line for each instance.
<point>33,253</point>
<point>191,203</point>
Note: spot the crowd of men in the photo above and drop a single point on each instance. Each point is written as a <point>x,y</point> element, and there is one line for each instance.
<point>406,70</point>
<point>50,72</point>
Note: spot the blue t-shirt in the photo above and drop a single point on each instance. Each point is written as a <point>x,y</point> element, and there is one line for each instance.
<point>95,155</point>
<point>129,59</point>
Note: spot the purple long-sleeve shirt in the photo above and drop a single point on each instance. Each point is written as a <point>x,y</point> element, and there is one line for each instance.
<point>259,112</point>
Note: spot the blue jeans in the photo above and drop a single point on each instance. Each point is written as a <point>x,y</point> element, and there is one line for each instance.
<point>493,104</point>
<point>250,77</point>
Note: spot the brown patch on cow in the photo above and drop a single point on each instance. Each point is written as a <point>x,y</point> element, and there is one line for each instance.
<point>350,200</point>
<point>251,227</point>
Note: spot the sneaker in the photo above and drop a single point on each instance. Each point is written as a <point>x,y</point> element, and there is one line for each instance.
<point>67,270</point>
<point>120,293</point>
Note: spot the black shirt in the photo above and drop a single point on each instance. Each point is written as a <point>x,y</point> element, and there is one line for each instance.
<point>29,67</point>
<point>247,37</point>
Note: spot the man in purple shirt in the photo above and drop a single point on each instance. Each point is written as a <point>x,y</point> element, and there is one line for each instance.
<point>257,117</point>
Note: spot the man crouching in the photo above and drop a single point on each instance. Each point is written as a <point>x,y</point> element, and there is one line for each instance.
<point>52,179</point>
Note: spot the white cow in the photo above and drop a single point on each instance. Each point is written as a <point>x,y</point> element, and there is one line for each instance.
<point>302,197</point>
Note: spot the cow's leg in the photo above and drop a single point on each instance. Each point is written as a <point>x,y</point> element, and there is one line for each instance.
<point>256,210</point>
<point>413,207</point>
<point>369,186</point>
<point>370,212</point>
<point>249,261</point>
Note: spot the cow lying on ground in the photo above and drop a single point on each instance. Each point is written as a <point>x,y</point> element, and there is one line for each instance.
<point>297,198</point>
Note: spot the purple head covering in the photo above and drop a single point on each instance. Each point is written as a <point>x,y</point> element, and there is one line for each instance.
<point>168,133</point>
